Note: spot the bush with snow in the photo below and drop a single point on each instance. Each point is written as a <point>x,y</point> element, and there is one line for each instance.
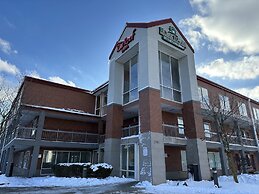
<point>101,170</point>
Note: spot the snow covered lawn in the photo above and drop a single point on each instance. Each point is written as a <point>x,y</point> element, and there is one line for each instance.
<point>58,181</point>
<point>248,184</point>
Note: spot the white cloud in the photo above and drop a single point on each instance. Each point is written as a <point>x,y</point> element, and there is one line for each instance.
<point>5,46</point>
<point>250,92</point>
<point>228,25</point>
<point>246,68</point>
<point>55,79</point>
<point>34,74</point>
<point>62,81</point>
<point>8,68</point>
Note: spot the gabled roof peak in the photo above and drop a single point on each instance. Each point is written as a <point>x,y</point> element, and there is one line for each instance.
<point>152,24</point>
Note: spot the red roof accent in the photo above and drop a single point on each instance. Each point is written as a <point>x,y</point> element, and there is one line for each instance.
<point>152,24</point>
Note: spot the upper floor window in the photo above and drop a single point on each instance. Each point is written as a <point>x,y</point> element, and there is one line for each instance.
<point>242,109</point>
<point>101,103</point>
<point>180,125</point>
<point>224,103</point>
<point>256,113</point>
<point>207,129</point>
<point>98,105</point>
<point>130,86</point>
<point>169,78</point>
<point>204,97</point>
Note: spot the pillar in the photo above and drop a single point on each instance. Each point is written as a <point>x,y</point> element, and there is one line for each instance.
<point>34,161</point>
<point>9,161</point>
<point>196,149</point>
<point>114,122</point>
<point>151,150</point>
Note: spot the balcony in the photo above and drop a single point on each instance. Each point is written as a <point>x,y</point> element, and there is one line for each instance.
<point>26,133</point>
<point>173,131</point>
<point>69,136</point>
<point>248,141</point>
<point>130,130</point>
<point>211,136</point>
<point>54,135</point>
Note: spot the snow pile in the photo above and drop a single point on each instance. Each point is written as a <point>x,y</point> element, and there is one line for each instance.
<point>58,181</point>
<point>70,164</point>
<point>95,167</point>
<point>248,184</point>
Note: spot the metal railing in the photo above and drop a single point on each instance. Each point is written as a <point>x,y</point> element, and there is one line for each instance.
<point>173,130</point>
<point>130,130</point>
<point>26,132</point>
<point>69,136</point>
<point>248,141</point>
<point>211,136</point>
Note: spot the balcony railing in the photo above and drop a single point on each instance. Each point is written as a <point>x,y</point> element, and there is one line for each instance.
<point>173,130</point>
<point>69,136</point>
<point>129,131</point>
<point>26,133</point>
<point>211,136</point>
<point>248,141</point>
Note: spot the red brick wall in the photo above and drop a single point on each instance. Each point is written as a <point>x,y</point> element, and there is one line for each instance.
<point>43,93</point>
<point>173,159</point>
<point>114,121</point>
<point>68,125</point>
<point>150,110</point>
<point>170,118</point>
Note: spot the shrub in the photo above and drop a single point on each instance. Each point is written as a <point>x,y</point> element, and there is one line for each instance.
<point>101,170</point>
<point>70,169</point>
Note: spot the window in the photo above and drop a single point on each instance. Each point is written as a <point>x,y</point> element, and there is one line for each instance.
<point>207,129</point>
<point>180,125</point>
<point>214,160</point>
<point>184,161</point>
<point>169,78</point>
<point>204,97</point>
<point>242,109</point>
<point>130,86</point>
<point>256,113</point>
<point>101,103</point>
<point>224,103</point>
<point>97,105</point>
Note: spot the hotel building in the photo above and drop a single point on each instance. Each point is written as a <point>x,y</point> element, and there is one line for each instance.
<point>147,121</point>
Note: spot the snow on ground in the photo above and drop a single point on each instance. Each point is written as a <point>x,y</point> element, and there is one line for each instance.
<point>52,181</point>
<point>248,184</point>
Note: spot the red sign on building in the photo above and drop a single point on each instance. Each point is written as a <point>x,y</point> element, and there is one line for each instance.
<point>124,44</point>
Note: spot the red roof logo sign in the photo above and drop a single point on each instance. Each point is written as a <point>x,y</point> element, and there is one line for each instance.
<point>124,44</point>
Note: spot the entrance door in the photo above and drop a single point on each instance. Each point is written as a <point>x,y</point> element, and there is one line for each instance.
<point>128,161</point>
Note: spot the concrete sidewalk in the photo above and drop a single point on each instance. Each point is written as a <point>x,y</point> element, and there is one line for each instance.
<point>112,188</point>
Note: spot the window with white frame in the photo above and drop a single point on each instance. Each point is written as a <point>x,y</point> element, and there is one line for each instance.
<point>130,86</point>
<point>169,78</point>
<point>180,125</point>
<point>98,105</point>
<point>242,109</point>
<point>207,129</point>
<point>204,97</point>
<point>224,102</point>
<point>214,160</point>
<point>256,113</point>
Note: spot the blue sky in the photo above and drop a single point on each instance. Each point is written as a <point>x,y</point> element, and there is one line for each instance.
<point>70,41</point>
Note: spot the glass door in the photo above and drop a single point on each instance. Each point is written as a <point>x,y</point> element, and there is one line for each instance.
<point>128,160</point>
